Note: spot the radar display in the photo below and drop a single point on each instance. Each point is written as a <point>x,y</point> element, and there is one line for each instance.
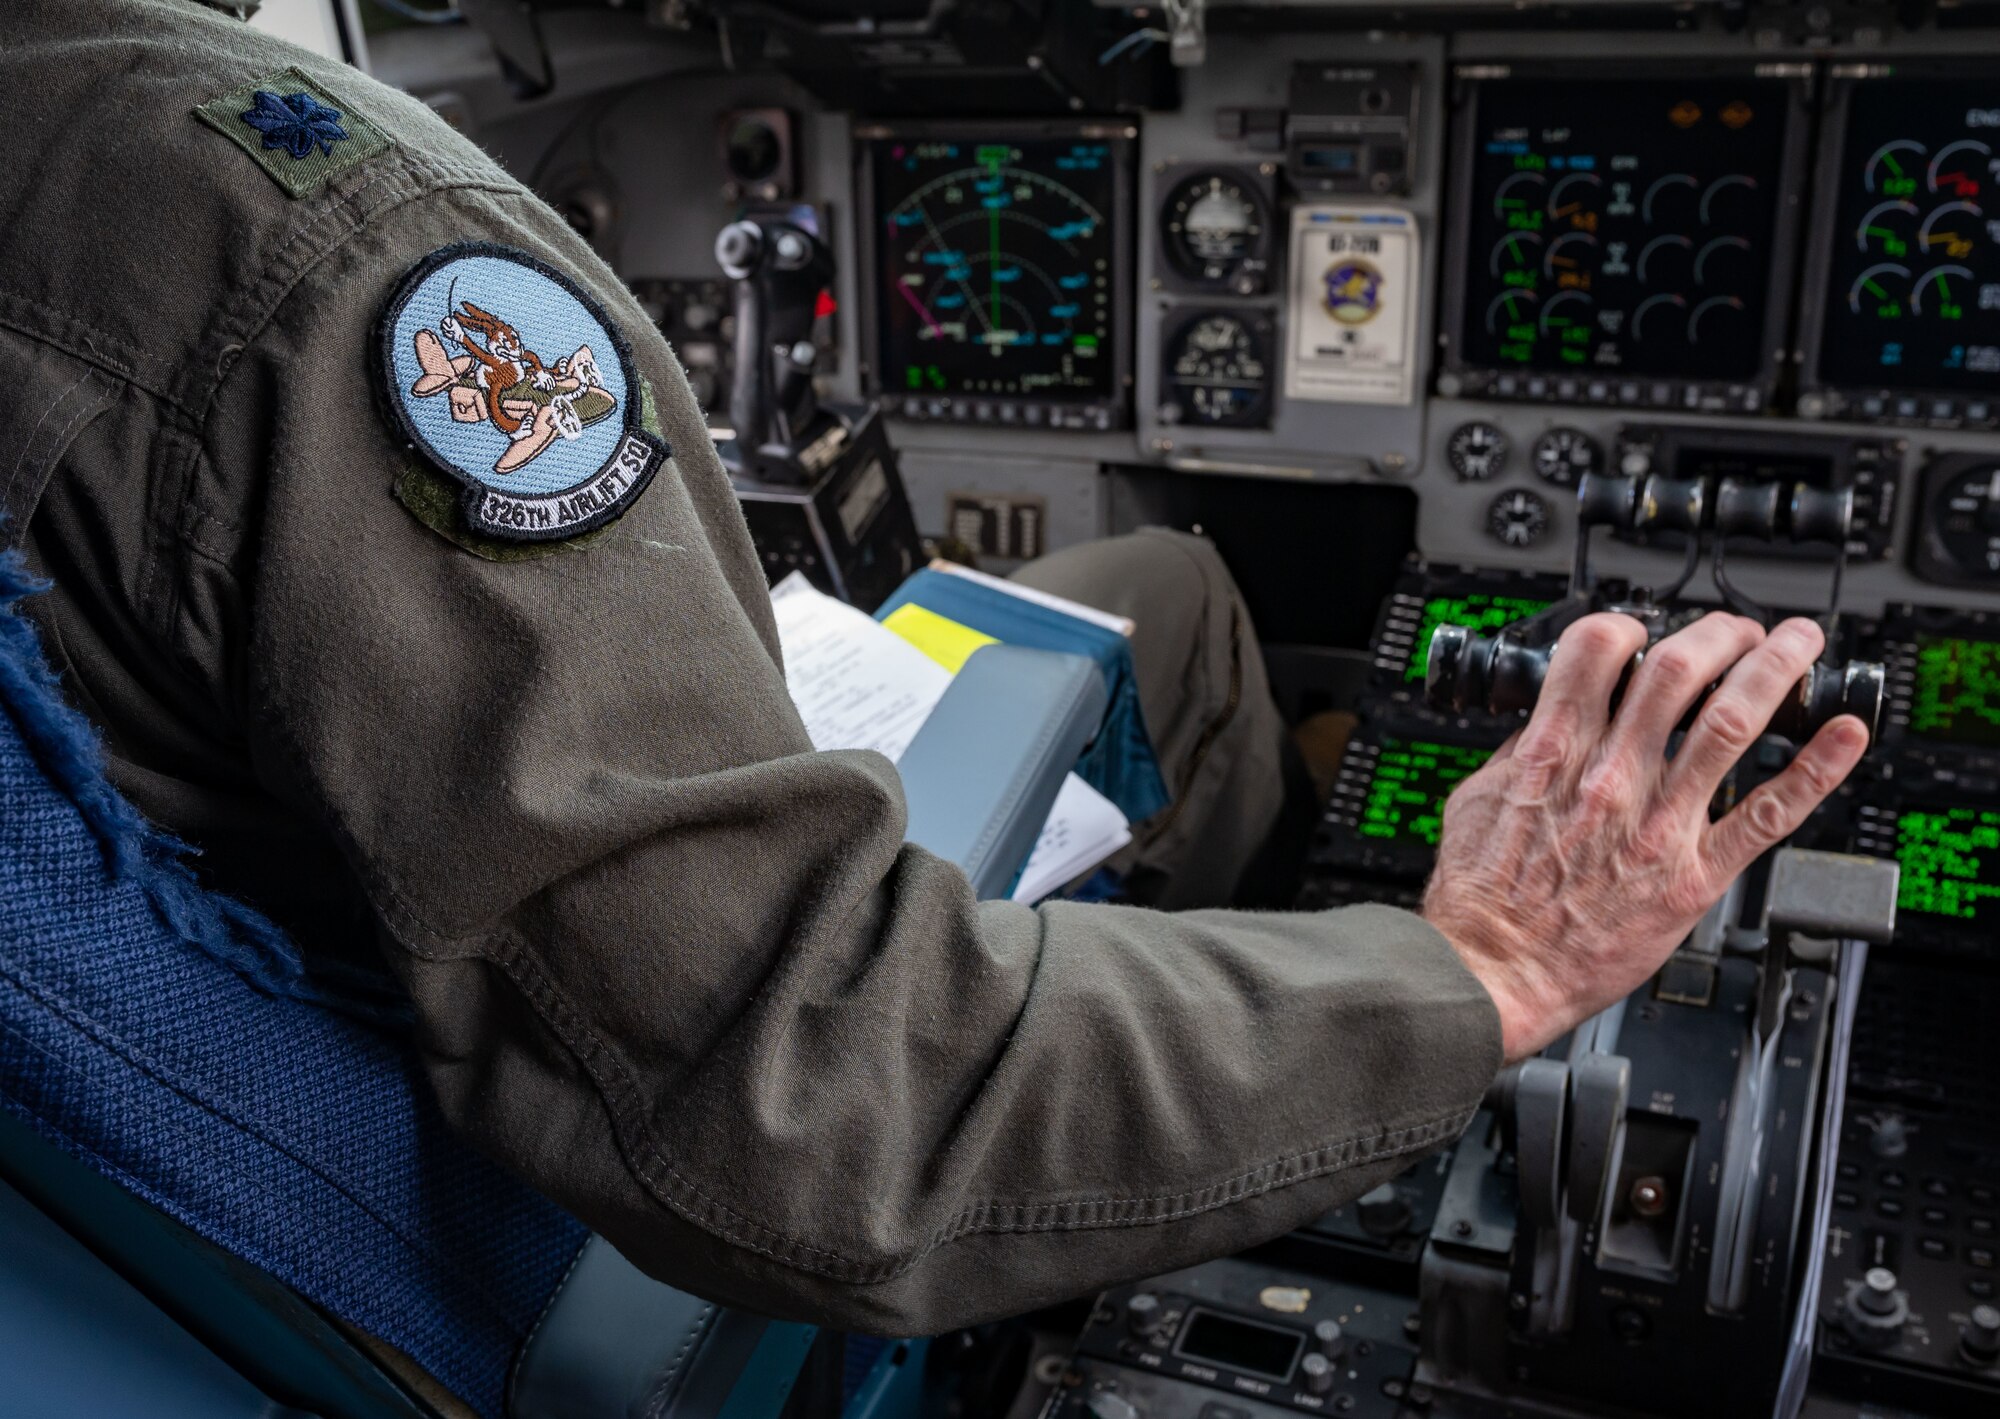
<point>996,267</point>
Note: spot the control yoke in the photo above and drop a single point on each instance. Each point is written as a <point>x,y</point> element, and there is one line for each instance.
<point>1503,673</point>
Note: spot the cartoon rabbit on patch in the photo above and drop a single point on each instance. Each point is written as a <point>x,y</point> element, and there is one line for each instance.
<point>504,382</point>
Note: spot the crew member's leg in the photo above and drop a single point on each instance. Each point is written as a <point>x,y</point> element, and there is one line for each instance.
<point>1237,783</point>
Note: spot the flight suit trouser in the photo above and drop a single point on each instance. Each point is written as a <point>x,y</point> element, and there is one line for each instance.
<point>1222,746</point>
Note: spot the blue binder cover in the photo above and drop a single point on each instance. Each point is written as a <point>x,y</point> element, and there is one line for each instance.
<point>1120,762</point>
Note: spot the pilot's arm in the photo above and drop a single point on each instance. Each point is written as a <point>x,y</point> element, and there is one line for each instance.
<point>682,972</point>
<point>671,965</point>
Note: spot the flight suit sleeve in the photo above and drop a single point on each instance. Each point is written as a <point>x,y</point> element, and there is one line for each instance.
<point>683,973</point>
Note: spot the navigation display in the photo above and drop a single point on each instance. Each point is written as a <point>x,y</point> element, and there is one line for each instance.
<point>1951,863</point>
<point>1955,697</point>
<point>1404,799</point>
<point>1623,228</point>
<point>1912,295</point>
<point>996,263</point>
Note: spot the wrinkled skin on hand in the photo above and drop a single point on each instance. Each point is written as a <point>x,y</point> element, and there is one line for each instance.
<point>1575,862</point>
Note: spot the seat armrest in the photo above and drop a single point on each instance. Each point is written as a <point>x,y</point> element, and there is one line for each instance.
<point>614,1342</point>
<point>982,773</point>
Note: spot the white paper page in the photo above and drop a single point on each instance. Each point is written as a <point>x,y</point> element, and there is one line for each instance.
<point>857,685</point>
<point>1041,598</point>
<point>1083,829</point>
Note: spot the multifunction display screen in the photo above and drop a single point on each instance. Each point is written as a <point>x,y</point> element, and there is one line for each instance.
<point>1404,802</point>
<point>1955,698</point>
<point>1477,611</point>
<point>1623,227</point>
<point>1951,863</point>
<point>1913,288</point>
<point>995,266</point>
<point>1241,1344</point>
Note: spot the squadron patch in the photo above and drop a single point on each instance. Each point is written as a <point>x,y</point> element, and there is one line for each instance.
<point>511,380</point>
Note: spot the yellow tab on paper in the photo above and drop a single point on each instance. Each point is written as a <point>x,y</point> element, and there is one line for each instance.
<point>942,639</point>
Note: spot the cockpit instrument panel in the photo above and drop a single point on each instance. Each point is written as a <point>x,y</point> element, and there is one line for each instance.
<point>1624,236</point>
<point>1387,809</point>
<point>1216,372</point>
<point>1944,683</point>
<point>1948,847</point>
<point>1215,231</point>
<point>1903,303</point>
<point>998,258</point>
<point>1482,601</point>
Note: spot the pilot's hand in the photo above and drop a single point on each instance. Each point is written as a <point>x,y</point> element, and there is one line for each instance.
<point>1579,858</point>
<point>452,329</point>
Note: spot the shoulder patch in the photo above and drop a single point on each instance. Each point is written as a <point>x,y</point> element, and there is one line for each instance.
<point>511,381</point>
<point>298,132</point>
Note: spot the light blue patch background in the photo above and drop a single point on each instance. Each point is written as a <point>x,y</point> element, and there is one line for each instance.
<point>552,323</point>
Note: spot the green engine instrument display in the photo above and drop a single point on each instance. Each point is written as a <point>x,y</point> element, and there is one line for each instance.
<point>1951,863</point>
<point>1956,698</point>
<point>1477,611</point>
<point>1623,227</point>
<point>1913,290</point>
<point>1404,801</point>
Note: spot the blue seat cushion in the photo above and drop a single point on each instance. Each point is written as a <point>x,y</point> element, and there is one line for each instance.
<point>169,1040</point>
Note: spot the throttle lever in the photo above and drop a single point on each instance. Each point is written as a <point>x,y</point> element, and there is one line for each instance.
<point>1467,672</point>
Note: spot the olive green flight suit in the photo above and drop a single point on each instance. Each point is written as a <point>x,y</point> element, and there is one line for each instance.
<point>677,970</point>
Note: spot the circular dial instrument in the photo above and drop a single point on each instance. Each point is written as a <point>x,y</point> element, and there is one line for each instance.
<point>1965,521</point>
<point>1518,518</point>
<point>1476,451</point>
<point>1563,455</point>
<point>1216,228</point>
<point>1217,373</point>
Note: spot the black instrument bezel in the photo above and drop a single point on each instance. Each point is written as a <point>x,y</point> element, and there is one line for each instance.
<point>1481,381</point>
<point>1846,402</point>
<point>1175,325</point>
<point>1123,137</point>
<point>1261,188</point>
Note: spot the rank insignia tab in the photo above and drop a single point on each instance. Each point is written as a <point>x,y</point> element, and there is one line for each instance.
<point>509,379</point>
<point>299,132</point>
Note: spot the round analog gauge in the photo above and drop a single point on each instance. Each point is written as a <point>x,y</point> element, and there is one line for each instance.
<point>1889,228</point>
<point>1215,227</point>
<point>1217,373</point>
<point>1965,521</point>
<point>1563,455</point>
<point>1518,518</point>
<point>1476,451</point>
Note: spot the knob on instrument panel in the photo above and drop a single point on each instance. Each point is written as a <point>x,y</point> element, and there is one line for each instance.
<point>1316,1374</point>
<point>1382,1212</point>
<point>1143,1314</point>
<point>1875,1309</point>
<point>1979,1337</point>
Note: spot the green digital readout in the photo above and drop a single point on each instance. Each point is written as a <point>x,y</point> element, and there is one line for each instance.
<point>1951,862</point>
<point>1405,797</point>
<point>1957,694</point>
<point>1476,611</point>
